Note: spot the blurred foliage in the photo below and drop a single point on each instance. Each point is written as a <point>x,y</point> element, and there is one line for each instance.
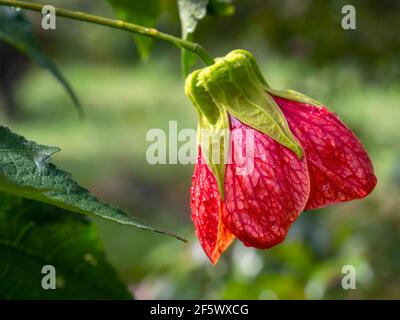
<point>311,30</point>
<point>33,235</point>
<point>18,31</point>
<point>301,46</point>
<point>142,12</point>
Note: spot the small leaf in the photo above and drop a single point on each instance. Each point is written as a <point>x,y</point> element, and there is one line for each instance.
<point>190,13</point>
<point>143,12</point>
<point>26,171</point>
<point>220,7</point>
<point>188,58</point>
<point>18,31</point>
<point>34,235</point>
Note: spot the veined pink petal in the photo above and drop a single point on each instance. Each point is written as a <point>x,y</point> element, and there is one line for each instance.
<point>339,167</point>
<point>262,203</point>
<point>207,208</point>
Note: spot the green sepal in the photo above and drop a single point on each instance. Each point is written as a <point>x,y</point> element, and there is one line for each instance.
<point>235,83</point>
<point>249,58</point>
<point>294,95</point>
<point>213,128</point>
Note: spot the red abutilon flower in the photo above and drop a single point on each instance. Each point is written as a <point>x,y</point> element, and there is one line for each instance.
<point>301,157</point>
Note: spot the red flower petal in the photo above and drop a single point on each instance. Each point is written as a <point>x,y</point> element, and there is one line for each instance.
<point>338,164</point>
<point>207,208</point>
<point>261,205</point>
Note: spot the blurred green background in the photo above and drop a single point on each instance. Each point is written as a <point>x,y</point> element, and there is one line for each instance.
<point>300,45</point>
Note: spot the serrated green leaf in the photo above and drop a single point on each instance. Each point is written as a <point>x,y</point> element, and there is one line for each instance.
<point>26,171</point>
<point>234,84</point>
<point>143,12</point>
<point>16,30</point>
<point>33,235</point>
<point>213,128</point>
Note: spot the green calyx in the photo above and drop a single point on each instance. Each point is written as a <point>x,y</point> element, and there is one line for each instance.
<point>213,128</point>
<point>234,85</point>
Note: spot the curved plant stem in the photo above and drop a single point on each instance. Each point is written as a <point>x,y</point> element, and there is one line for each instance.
<point>118,24</point>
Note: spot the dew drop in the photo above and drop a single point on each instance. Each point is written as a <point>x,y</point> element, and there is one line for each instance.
<point>240,205</point>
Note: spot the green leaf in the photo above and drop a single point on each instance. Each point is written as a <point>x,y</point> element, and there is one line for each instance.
<point>235,84</point>
<point>213,128</point>
<point>190,13</point>
<point>18,31</point>
<point>220,7</point>
<point>33,235</point>
<point>188,59</point>
<point>26,171</point>
<point>143,12</point>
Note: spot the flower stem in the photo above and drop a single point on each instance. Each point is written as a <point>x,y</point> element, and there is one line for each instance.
<point>118,24</point>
